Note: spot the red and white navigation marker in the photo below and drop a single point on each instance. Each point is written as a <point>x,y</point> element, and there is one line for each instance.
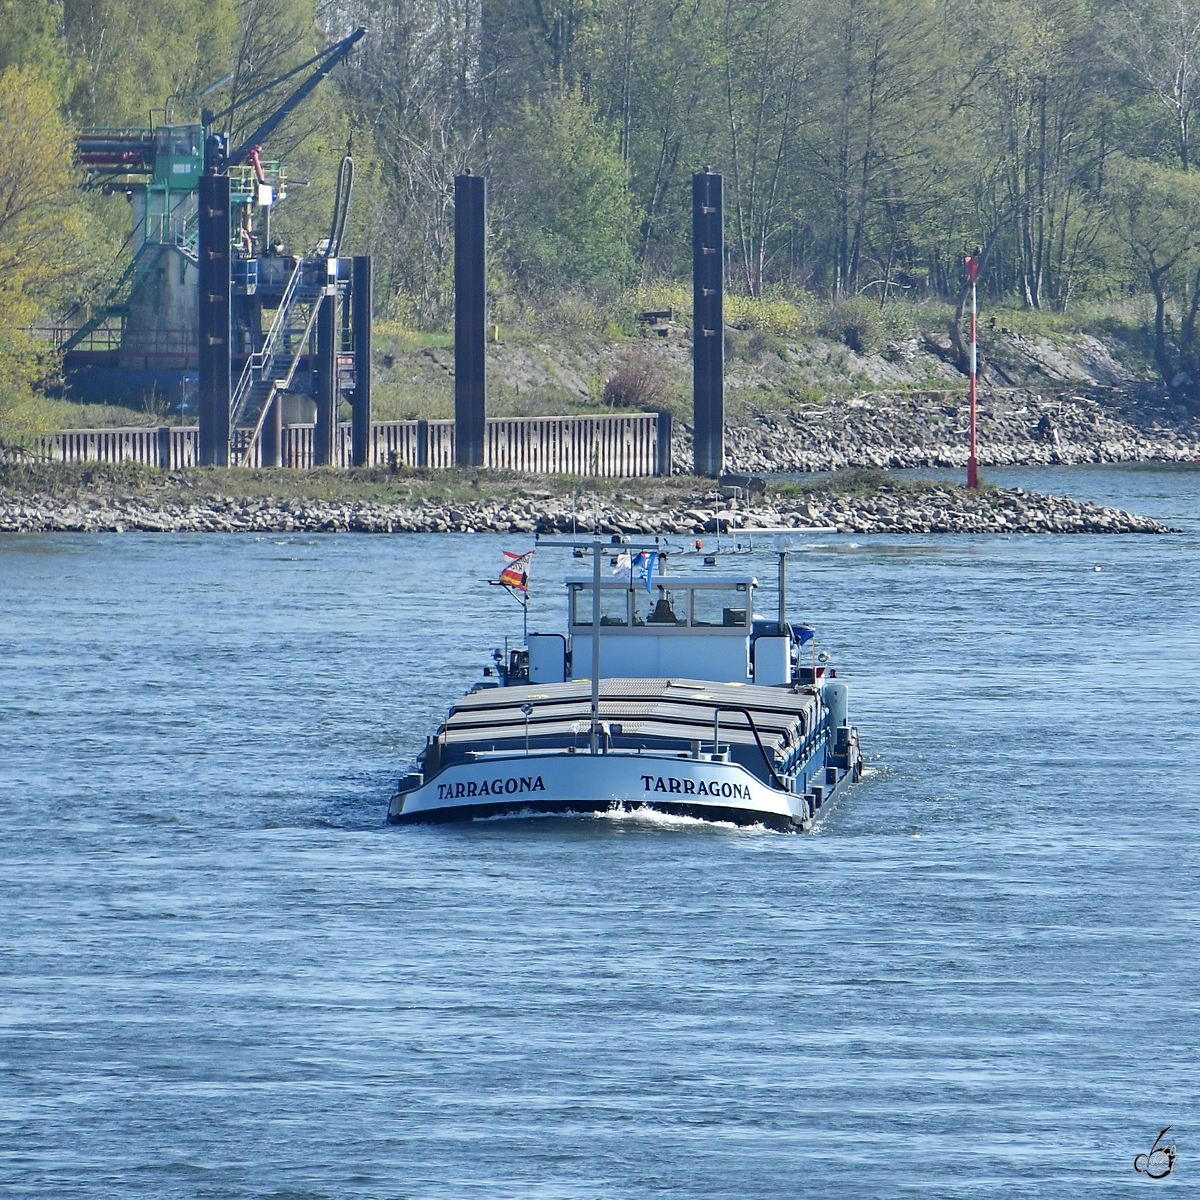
<point>972,265</point>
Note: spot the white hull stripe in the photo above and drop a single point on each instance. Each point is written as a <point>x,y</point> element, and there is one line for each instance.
<point>560,781</point>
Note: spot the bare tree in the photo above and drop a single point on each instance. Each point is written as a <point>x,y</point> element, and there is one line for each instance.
<point>764,64</point>
<point>1035,103</point>
<point>418,87</point>
<point>1158,44</point>
<point>874,115</point>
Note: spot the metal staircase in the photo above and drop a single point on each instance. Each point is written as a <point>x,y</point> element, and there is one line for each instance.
<point>263,376</point>
<point>116,303</point>
<point>141,265</point>
<point>189,237</point>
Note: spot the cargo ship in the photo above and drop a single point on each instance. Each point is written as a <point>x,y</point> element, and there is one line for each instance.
<point>662,692</point>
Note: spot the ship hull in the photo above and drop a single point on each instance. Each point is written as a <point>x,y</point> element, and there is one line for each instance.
<point>563,783</point>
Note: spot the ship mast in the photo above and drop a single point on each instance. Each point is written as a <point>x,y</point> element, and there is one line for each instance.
<point>595,742</point>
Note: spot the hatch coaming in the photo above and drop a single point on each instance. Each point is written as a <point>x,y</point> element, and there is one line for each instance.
<point>664,716</point>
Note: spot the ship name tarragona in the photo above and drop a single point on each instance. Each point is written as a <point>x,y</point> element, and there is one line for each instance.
<point>495,787</point>
<point>669,784</point>
<point>695,787</point>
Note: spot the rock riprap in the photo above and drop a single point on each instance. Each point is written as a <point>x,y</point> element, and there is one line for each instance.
<point>936,509</point>
<point>931,429</point>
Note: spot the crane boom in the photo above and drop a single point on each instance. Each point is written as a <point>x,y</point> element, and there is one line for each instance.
<point>328,59</point>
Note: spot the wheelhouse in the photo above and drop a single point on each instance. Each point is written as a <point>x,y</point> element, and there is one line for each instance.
<point>663,631</point>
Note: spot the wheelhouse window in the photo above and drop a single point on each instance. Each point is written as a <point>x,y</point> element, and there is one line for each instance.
<point>614,606</point>
<point>720,606</point>
<point>664,606</point>
<point>182,143</point>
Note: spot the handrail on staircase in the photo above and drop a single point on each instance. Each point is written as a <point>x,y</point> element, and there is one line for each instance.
<point>111,306</point>
<point>189,236</point>
<point>258,363</point>
<point>279,385</point>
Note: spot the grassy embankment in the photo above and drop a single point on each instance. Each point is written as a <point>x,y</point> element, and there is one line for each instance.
<point>781,352</point>
<point>372,486</point>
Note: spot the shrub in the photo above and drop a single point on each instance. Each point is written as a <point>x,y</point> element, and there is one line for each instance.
<point>781,317</point>
<point>865,327</point>
<point>761,342</point>
<point>639,383</point>
<point>856,323</point>
<point>770,314</point>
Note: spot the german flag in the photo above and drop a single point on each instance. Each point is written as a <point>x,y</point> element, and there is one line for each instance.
<point>516,570</point>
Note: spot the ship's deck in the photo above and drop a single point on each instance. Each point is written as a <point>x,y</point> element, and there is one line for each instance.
<point>640,714</point>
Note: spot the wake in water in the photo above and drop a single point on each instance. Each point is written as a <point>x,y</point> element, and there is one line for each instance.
<point>646,818</point>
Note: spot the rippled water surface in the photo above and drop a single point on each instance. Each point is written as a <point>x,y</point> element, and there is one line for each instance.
<point>222,975</point>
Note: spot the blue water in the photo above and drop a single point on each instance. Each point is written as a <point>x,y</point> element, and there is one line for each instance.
<point>221,975</point>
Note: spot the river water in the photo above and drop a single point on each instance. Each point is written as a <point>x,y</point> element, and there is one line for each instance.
<point>222,975</point>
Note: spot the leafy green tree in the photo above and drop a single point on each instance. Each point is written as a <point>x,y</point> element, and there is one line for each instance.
<point>40,223</point>
<point>1155,212</point>
<point>531,47</point>
<point>130,56</point>
<point>37,217</point>
<point>865,144</point>
<point>562,203</point>
<point>29,37</point>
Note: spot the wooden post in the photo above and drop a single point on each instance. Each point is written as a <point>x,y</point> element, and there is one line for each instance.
<point>362,306</point>
<point>470,301</point>
<point>216,388</point>
<point>708,322</point>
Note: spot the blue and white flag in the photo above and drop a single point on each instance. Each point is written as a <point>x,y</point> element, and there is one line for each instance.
<point>805,634</point>
<point>645,561</point>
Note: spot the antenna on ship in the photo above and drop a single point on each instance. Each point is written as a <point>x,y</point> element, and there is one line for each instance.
<point>781,547</point>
